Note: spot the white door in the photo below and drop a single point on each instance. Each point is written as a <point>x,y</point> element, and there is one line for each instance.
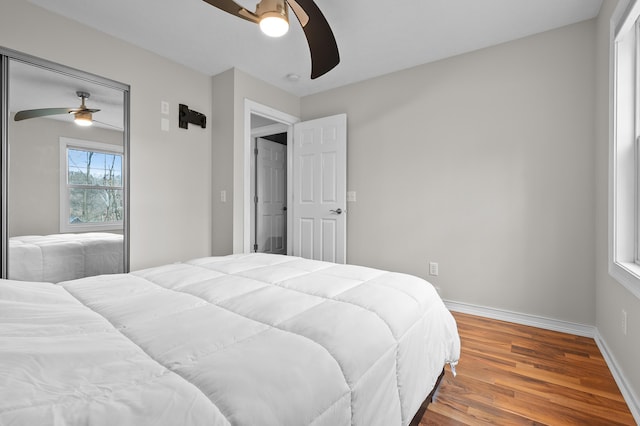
<point>271,197</point>
<point>320,188</point>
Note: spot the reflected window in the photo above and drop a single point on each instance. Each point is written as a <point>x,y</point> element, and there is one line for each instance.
<point>92,186</point>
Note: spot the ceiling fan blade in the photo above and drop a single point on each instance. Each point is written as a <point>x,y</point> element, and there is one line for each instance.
<point>302,16</point>
<point>322,43</point>
<point>233,8</point>
<point>43,112</point>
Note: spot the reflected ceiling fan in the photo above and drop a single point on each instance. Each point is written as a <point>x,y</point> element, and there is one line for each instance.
<point>83,116</point>
<point>273,18</point>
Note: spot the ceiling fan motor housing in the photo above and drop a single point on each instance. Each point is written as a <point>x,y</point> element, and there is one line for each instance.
<point>273,8</point>
<point>83,118</point>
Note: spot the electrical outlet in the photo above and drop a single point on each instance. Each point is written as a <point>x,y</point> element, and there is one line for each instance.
<point>624,322</point>
<point>164,107</point>
<point>223,196</point>
<point>433,268</point>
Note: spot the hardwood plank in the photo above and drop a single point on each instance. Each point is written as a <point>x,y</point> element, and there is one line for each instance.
<point>511,374</point>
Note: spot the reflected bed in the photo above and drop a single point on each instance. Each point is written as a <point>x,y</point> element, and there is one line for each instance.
<point>237,340</point>
<point>62,257</point>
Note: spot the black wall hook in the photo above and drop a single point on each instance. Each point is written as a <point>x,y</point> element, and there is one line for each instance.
<point>186,116</point>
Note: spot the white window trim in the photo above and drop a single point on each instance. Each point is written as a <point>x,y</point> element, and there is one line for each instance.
<point>624,155</point>
<point>65,226</point>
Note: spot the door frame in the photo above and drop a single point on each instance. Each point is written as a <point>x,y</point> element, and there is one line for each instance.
<point>257,133</point>
<point>255,108</point>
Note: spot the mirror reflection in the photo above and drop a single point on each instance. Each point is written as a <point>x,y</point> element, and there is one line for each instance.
<point>66,175</point>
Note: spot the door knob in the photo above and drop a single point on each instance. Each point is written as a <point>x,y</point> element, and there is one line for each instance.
<point>337,211</point>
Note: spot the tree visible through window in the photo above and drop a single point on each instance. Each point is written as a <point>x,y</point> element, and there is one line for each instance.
<point>94,187</point>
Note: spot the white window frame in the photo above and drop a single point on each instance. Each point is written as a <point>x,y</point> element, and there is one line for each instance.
<point>65,226</point>
<point>624,179</point>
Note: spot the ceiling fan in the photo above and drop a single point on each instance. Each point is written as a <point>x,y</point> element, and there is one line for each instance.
<point>273,18</point>
<point>83,116</point>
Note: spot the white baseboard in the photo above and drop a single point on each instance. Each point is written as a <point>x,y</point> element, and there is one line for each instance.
<point>524,319</point>
<point>632,400</point>
<point>630,397</point>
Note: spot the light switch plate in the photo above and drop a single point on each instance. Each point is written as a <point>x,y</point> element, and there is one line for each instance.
<point>433,269</point>
<point>351,196</point>
<point>164,124</point>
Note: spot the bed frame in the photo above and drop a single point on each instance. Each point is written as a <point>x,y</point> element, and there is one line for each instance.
<point>427,401</point>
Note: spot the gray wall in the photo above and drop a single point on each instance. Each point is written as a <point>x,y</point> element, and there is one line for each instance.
<point>483,163</point>
<point>34,180</point>
<point>230,90</point>
<point>222,162</point>
<point>170,171</point>
<point>611,297</point>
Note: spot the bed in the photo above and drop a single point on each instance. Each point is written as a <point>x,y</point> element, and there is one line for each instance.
<point>61,257</point>
<point>253,339</point>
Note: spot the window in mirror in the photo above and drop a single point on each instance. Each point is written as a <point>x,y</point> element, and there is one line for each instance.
<point>91,193</point>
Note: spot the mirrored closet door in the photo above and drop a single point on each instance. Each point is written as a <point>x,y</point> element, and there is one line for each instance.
<point>65,143</point>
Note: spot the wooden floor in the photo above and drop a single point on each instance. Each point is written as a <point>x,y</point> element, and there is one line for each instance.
<point>511,374</point>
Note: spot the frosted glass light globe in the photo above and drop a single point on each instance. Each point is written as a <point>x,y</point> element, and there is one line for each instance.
<point>274,25</point>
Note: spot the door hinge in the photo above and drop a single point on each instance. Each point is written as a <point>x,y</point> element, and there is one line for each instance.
<point>255,151</point>
<point>255,199</point>
<point>255,248</point>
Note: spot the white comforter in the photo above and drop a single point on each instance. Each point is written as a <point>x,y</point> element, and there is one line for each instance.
<point>241,340</point>
<point>61,257</point>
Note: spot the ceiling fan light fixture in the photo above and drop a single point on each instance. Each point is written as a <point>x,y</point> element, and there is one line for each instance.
<point>274,26</point>
<point>83,118</point>
<point>274,17</point>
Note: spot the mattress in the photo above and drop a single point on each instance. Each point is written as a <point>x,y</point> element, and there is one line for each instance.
<point>61,257</point>
<point>251,339</point>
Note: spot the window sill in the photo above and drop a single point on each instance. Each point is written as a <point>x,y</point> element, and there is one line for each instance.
<point>91,228</point>
<point>627,274</point>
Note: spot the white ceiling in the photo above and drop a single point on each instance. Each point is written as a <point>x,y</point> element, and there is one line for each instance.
<point>374,37</point>
<point>34,87</point>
